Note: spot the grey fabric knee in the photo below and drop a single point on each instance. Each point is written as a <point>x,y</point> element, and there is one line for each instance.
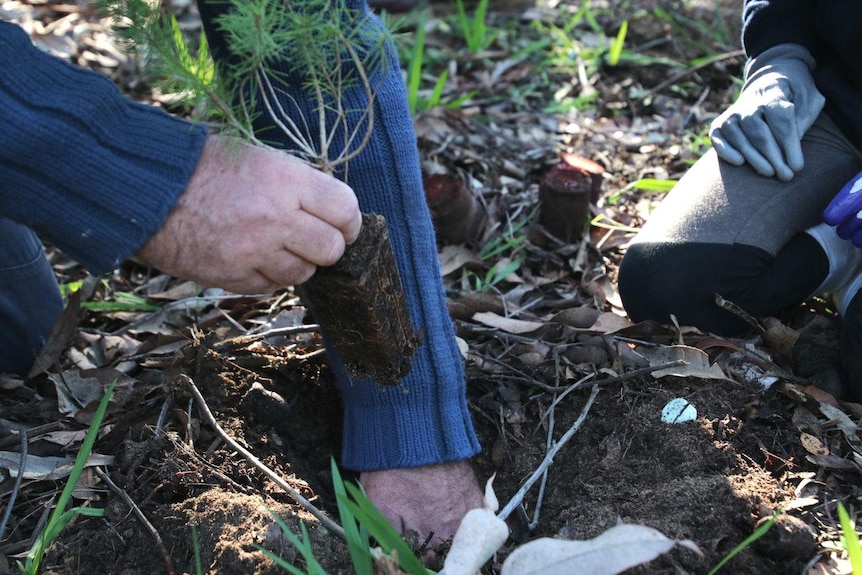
<point>717,203</point>
<point>30,301</point>
<point>725,229</point>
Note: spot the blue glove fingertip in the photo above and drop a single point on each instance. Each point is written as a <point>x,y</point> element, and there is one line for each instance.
<point>846,203</point>
<point>848,228</point>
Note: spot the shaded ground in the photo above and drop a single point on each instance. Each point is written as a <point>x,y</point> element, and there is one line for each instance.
<point>551,321</point>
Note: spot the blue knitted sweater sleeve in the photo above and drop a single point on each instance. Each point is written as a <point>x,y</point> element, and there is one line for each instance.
<point>88,169</point>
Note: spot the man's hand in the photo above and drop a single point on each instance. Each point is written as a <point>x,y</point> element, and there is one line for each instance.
<point>778,103</point>
<point>252,220</point>
<point>428,500</point>
<point>845,211</point>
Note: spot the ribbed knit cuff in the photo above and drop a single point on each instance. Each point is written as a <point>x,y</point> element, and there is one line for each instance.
<point>424,420</point>
<point>88,169</point>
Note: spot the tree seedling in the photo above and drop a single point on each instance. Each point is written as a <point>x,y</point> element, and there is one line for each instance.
<point>289,67</point>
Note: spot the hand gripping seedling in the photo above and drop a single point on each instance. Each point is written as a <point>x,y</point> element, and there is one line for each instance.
<point>303,74</point>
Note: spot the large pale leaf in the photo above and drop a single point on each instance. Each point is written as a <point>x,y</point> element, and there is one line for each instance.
<point>614,551</point>
<point>454,257</point>
<point>480,534</point>
<point>46,468</point>
<point>507,324</point>
<point>697,362</point>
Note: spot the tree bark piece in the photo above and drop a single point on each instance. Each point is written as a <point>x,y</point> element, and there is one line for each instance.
<point>361,307</point>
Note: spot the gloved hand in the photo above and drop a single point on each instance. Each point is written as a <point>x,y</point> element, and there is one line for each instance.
<point>845,211</point>
<point>778,103</point>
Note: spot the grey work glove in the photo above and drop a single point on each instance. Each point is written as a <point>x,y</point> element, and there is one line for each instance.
<point>778,103</point>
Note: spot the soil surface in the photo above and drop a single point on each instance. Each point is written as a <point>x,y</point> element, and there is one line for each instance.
<point>540,321</point>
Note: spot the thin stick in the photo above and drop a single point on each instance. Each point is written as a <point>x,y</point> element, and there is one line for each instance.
<point>163,416</point>
<point>33,432</point>
<point>202,405</point>
<point>244,340</point>
<point>733,308</point>
<point>582,382</point>
<point>549,444</point>
<point>708,62</point>
<point>189,439</point>
<point>306,328</point>
<point>635,373</point>
<point>141,517</point>
<point>549,457</point>
<point>17,487</point>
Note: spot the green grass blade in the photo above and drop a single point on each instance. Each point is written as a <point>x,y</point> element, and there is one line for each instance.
<point>655,185</point>
<point>379,528</point>
<point>303,545</point>
<point>53,531</point>
<point>414,70</point>
<point>480,29</point>
<point>617,44</point>
<point>466,25</point>
<point>123,302</point>
<point>60,516</point>
<point>196,544</point>
<point>456,103</point>
<point>758,533</point>
<point>591,18</point>
<point>294,570</point>
<point>851,540</point>
<point>437,94</point>
<point>356,535</point>
<point>496,275</point>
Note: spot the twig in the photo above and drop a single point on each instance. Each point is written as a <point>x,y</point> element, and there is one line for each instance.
<point>33,432</point>
<point>577,385</point>
<point>635,373</point>
<point>728,305</point>
<point>524,377</point>
<point>582,382</point>
<point>141,517</point>
<point>549,444</point>
<point>244,340</point>
<point>708,62</point>
<point>549,457</point>
<point>550,437</point>
<point>17,487</point>
<point>163,415</point>
<point>306,328</point>
<point>202,405</point>
<point>189,439</point>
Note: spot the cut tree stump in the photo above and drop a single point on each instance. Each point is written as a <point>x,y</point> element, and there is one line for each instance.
<point>360,304</point>
<point>457,214</point>
<point>565,195</point>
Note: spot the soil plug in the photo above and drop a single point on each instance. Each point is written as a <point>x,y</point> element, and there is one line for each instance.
<point>360,304</point>
<point>565,195</point>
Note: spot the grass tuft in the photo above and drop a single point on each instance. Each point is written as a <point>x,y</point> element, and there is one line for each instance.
<point>60,517</point>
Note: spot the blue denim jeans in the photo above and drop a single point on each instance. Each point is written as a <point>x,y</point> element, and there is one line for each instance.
<point>30,299</point>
